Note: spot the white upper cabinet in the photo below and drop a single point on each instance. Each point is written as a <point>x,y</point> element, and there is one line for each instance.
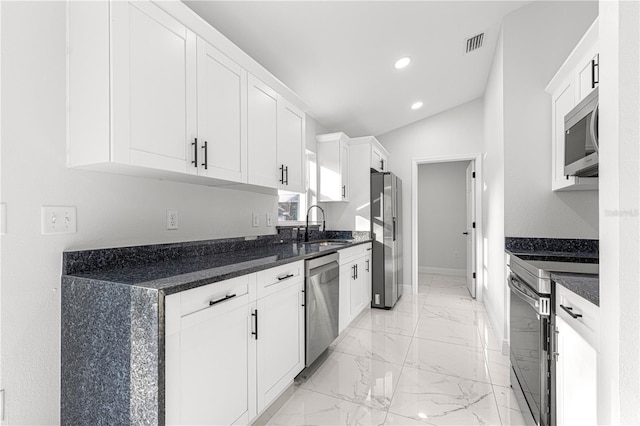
<point>221,147</point>
<point>291,146</point>
<point>333,163</point>
<point>379,156</point>
<point>144,111</point>
<point>575,79</point>
<point>149,96</point>
<point>263,134</point>
<point>276,139</point>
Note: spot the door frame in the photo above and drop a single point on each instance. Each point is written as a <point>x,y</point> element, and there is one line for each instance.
<point>476,158</point>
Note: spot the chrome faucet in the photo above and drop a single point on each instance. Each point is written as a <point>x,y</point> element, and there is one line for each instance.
<point>306,229</point>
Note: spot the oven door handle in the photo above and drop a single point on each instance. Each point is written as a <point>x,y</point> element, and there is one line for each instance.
<point>541,305</point>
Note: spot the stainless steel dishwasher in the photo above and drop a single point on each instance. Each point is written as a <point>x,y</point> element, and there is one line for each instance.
<point>321,304</point>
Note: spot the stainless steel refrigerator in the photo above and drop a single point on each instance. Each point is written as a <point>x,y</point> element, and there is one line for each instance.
<point>386,232</point>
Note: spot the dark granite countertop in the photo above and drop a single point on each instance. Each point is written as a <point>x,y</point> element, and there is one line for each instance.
<point>184,273</point>
<point>585,286</point>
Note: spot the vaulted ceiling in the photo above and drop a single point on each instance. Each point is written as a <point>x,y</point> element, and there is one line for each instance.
<point>338,56</point>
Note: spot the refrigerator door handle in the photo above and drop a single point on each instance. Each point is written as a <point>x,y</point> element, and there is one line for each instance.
<point>394,229</point>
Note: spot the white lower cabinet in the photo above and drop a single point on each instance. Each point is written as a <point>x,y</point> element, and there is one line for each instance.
<point>355,283</point>
<point>280,341</point>
<point>229,354</point>
<point>576,359</point>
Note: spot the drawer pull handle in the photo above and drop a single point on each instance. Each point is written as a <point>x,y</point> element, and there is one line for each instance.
<point>285,277</point>
<point>569,310</point>
<point>227,297</point>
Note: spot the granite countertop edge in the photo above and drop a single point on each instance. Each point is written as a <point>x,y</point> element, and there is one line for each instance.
<point>584,285</point>
<point>187,281</point>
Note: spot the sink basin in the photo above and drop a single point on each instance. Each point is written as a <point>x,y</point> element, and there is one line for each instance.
<point>328,243</point>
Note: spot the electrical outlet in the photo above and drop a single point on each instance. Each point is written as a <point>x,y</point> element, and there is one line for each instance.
<point>58,220</point>
<point>172,219</point>
<point>269,222</point>
<point>256,220</point>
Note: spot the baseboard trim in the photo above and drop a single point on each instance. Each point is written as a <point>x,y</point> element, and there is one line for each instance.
<point>442,271</point>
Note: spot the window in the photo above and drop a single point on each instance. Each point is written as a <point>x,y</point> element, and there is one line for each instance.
<point>292,207</point>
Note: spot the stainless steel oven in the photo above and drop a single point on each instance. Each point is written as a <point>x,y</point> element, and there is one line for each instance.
<point>530,314</point>
<point>531,321</point>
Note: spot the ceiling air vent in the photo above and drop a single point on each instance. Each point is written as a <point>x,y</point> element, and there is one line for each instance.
<point>475,42</point>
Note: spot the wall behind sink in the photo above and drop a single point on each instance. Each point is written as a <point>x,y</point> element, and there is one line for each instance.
<point>113,210</point>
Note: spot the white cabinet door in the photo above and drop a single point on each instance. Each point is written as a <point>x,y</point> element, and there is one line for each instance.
<point>221,149</point>
<point>333,164</point>
<point>153,87</point>
<point>588,74</point>
<point>576,378</point>
<point>280,342</point>
<point>207,366</point>
<point>356,289</point>
<point>366,280</point>
<point>291,146</point>
<point>344,170</point>
<point>262,134</point>
<point>378,160</point>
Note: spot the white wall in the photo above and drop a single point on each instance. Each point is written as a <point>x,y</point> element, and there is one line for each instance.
<point>537,40</point>
<point>112,210</point>
<point>442,215</point>
<point>493,268</point>
<point>619,361</point>
<point>458,131</point>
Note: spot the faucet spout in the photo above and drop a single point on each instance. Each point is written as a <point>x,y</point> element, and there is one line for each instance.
<point>306,229</point>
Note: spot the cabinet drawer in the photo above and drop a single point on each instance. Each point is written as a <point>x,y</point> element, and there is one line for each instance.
<point>273,279</point>
<point>351,253</point>
<point>201,298</point>
<point>588,324</point>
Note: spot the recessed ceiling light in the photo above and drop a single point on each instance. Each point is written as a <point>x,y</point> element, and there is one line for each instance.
<point>416,105</point>
<point>402,62</point>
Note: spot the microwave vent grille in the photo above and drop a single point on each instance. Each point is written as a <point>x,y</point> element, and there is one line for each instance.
<point>474,43</point>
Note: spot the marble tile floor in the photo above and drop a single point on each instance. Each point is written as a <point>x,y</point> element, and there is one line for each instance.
<point>432,360</point>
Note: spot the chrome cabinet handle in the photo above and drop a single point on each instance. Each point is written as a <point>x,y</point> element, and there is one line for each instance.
<point>569,310</point>
<point>227,297</point>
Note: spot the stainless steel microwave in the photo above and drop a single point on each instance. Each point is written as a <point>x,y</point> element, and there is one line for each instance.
<point>581,142</point>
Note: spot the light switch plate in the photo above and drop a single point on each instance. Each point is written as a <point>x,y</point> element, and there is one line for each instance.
<point>58,220</point>
<point>256,220</point>
<point>269,222</point>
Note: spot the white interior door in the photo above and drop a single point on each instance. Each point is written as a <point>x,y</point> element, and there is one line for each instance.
<point>471,230</point>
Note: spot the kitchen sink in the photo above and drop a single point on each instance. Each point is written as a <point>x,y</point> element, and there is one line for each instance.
<point>328,243</point>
